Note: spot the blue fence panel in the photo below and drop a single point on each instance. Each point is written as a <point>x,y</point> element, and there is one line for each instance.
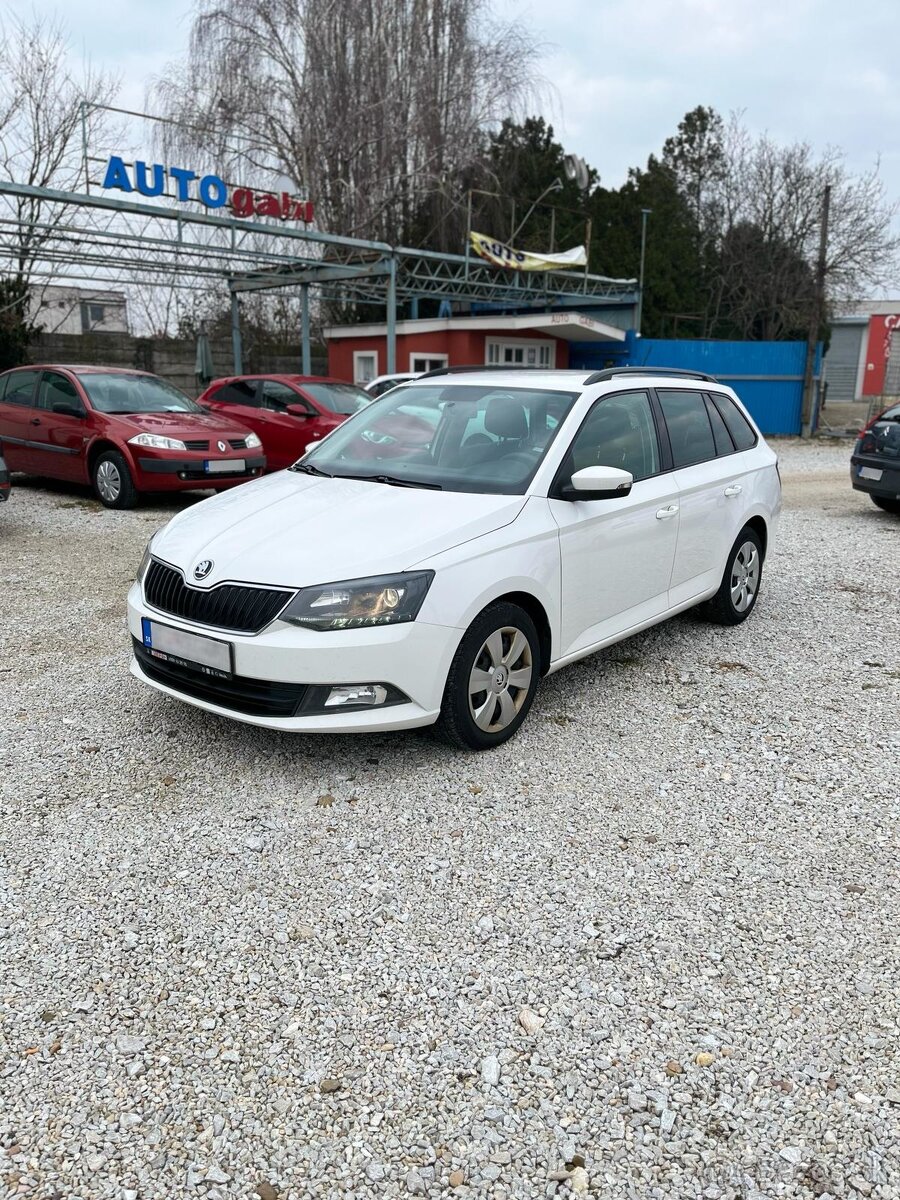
<point>768,376</point>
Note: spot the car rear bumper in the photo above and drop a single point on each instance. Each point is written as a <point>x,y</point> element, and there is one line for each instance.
<point>275,671</point>
<point>182,474</point>
<point>887,482</point>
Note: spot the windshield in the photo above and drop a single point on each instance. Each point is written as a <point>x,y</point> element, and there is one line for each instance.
<point>341,398</point>
<point>115,393</point>
<point>462,438</point>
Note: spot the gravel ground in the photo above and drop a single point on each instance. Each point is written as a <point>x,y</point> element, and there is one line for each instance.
<point>646,949</point>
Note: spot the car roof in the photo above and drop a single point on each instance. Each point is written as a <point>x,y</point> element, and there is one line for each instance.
<point>82,368</point>
<point>283,376</point>
<point>510,377</point>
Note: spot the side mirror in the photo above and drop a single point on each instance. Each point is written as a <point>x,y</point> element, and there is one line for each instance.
<point>298,410</point>
<point>68,410</point>
<point>598,483</point>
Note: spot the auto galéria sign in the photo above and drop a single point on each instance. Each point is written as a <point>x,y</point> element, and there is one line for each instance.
<point>154,179</point>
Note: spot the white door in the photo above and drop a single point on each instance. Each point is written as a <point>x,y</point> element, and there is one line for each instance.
<point>708,472</point>
<point>616,555</point>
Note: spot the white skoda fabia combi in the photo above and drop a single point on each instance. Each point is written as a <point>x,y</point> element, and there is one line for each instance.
<point>453,542</point>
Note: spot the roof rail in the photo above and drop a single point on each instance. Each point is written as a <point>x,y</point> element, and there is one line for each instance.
<point>476,367</point>
<point>677,372</point>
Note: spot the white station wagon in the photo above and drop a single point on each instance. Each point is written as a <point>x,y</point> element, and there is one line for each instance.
<point>453,542</point>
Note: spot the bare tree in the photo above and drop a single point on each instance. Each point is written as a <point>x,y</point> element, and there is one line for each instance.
<point>757,206</point>
<point>45,108</point>
<point>374,107</point>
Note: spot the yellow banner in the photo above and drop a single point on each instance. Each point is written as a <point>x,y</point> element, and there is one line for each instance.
<point>502,255</point>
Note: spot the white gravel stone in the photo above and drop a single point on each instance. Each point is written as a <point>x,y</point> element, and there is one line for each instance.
<point>490,1070</point>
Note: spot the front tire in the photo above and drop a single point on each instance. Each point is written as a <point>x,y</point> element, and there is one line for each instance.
<point>887,503</point>
<point>113,485</point>
<point>739,589</point>
<point>492,679</point>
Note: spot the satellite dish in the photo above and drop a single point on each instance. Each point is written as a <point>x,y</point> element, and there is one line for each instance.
<point>576,170</point>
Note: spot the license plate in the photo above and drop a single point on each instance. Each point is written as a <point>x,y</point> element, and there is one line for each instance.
<point>870,473</point>
<point>225,466</point>
<point>207,655</point>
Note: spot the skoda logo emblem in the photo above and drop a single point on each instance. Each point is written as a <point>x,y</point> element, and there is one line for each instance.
<point>202,569</point>
<point>222,447</point>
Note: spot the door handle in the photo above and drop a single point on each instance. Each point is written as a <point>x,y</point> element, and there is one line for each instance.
<point>734,490</point>
<point>665,513</point>
<point>35,420</point>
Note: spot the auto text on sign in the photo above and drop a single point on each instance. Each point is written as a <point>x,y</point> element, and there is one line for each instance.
<point>210,190</point>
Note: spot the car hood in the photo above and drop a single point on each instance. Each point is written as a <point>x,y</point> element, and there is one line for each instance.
<point>179,425</point>
<point>296,530</point>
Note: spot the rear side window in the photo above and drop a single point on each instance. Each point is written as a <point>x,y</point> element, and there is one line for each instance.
<point>741,433</point>
<point>724,444</point>
<point>20,387</point>
<point>242,391</point>
<point>690,432</point>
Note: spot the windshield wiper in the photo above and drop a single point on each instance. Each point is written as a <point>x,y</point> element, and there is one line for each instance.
<point>309,469</point>
<point>394,481</point>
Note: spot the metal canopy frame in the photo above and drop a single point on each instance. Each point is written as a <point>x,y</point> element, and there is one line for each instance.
<point>93,239</point>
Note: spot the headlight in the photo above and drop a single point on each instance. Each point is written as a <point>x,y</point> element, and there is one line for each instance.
<point>145,563</point>
<point>354,603</point>
<point>251,441</point>
<point>156,442</point>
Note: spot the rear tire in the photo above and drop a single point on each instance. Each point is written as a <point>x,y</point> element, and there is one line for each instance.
<point>113,485</point>
<point>492,679</point>
<point>886,503</point>
<point>739,589</point>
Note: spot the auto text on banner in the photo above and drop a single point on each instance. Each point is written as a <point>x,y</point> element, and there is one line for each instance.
<point>502,255</point>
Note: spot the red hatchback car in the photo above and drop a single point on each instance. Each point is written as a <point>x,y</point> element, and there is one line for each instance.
<point>122,431</point>
<point>288,412</point>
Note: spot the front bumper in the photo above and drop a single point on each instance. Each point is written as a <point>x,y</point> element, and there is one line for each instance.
<point>161,474</point>
<point>414,658</point>
<point>888,484</point>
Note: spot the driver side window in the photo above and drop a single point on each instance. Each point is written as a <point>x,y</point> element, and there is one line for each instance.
<point>619,432</point>
<point>57,389</point>
<point>277,396</point>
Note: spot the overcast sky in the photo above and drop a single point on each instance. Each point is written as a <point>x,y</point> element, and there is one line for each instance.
<point>623,74</point>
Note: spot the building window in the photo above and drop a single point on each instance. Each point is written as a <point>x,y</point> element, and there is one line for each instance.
<point>520,352</point>
<point>427,361</point>
<point>92,315</point>
<point>365,366</point>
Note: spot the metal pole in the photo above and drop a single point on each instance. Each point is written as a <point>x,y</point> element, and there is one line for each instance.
<point>552,230</point>
<point>84,148</point>
<point>645,213</point>
<point>807,423</point>
<point>306,353</point>
<point>392,318</point>
<point>236,334</point>
<point>468,233</point>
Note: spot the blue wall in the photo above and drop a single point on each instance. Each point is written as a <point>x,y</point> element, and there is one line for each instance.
<point>768,376</point>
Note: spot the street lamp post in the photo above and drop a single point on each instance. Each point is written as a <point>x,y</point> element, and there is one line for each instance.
<point>645,213</point>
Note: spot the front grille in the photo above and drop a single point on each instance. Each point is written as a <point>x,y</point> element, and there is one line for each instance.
<point>228,606</point>
<point>237,443</point>
<point>196,445</point>
<point>255,697</point>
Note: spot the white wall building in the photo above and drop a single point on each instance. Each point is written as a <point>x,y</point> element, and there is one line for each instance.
<point>60,309</point>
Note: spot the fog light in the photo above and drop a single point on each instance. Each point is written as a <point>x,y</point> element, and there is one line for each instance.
<point>356,693</point>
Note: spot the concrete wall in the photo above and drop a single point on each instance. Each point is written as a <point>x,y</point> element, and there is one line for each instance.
<point>172,358</point>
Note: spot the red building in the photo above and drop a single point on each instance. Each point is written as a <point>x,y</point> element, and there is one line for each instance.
<point>359,352</point>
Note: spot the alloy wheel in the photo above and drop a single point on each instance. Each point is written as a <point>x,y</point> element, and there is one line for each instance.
<point>500,679</point>
<point>744,576</point>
